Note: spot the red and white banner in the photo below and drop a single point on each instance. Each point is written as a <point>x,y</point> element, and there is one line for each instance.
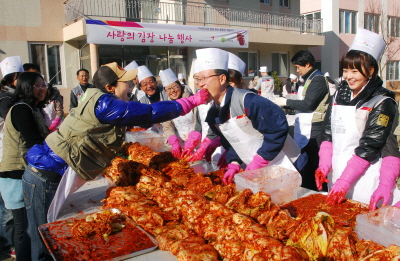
<point>132,33</point>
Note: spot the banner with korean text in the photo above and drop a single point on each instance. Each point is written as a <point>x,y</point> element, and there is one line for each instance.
<point>132,33</point>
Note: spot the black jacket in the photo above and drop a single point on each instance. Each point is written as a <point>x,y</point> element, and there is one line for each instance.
<point>375,135</point>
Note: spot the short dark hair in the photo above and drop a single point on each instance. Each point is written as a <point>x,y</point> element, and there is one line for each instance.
<point>361,61</point>
<point>303,57</point>
<point>235,76</point>
<point>24,90</point>
<point>221,71</point>
<point>82,70</point>
<point>28,66</point>
<point>8,80</point>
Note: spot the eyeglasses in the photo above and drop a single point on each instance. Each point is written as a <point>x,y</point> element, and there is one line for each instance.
<point>204,79</point>
<point>173,88</point>
<point>40,86</point>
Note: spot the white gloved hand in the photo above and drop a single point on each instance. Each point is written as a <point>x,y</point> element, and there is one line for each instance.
<point>280,101</point>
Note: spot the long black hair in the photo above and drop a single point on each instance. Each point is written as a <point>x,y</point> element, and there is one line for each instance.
<point>24,90</point>
<point>8,80</point>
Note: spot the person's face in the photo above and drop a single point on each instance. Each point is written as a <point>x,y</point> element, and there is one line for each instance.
<point>303,70</point>
<point>39,89</point>
<point>355,79</point>
<point>135,81</point>
<point>121,90</point>
<point>174,91</point>
<point>212,82</point>
<point>83,77</point>
<point>196,80</point>
<point>149,86</point>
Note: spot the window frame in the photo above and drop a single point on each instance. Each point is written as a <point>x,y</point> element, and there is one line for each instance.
<point>282,3</point>
<point>46,59</point>
<point>279,72</point>
<point>264,2</point>
<point>375,22</point>
<point>246,69</point>
<point>393,26</point>
<point>352,23</point>
<point>393,71</point>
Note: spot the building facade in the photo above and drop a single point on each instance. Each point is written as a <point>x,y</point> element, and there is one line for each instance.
<point>341,20</point>
<point>53,34</point>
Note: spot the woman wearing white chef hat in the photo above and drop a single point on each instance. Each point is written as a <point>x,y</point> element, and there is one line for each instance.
<point>357,124</point>
<point>136,93</point>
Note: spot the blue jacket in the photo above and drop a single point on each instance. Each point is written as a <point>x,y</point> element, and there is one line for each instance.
<point>266,117</point>
<point>109,110</point>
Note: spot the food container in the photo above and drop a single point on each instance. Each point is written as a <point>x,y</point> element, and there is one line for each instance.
<point>204,166</point>
<point>149,138</point>
<point>280,183</point>
<point>381,226</point>
<point>57,238</point>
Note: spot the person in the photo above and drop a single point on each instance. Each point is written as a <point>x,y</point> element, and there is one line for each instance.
<point>135,92</point>
<point>11,67</point>
<point>31,67</point>
<point>24,127</point>
<point>76,93</point>
<point>181,79</point>
<point>253,82</point>
<point>310,110</point>
<point>235,68</point>
<point>265,85</point>
<point>331,83</point>
<point>148,85</point>
<point>289,86</point>
<point>251,128</point>
<point>357,124</point>
<point>87,141</point>
<point>54,110</point>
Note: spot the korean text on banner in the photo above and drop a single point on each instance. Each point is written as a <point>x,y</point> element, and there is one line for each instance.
<point>132,33</point>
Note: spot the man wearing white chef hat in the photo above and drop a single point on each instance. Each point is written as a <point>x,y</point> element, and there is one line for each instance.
<point>265,84</point>
<point>136,93</point>
<point>251,128</point>
<point>148,84</point>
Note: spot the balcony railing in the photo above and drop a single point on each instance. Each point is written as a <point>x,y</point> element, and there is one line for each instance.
<point>188,13</point>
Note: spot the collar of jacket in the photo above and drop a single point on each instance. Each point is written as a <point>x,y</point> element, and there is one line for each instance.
<point>220,116</point>
<point>305,77</point>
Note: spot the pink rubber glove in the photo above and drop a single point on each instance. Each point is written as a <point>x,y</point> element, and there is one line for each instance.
<point>193,101</point>
<point>176,146</point>
<point>222,164</point>
<point>55,124</point>
<point>230,173</point>
<point>258,162</point>
<point>389,171</point>
<point>397,205</point>
<point>325,163</point>
<point>191,143</point>
<point>215,143</point>
<point>199,154</point>
<point>356,166</point>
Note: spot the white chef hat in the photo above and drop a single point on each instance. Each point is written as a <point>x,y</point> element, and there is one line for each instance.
<point>11,64</point>
<point>180,76</point>
<point>131,66</point>
<point>196,68</point>
<point>143,73</point>
<point>263,69</point>
<point>326,74</point>
<point>293,77</point>
<point>368,42</point>
<point>212,58</point>
<point>236,63</point>
<point>167,77</point>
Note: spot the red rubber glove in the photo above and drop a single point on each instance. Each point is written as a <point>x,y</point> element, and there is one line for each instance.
<point>176,146</point>
<point>222,164</point>
<point>258,162</point>
<point>356,166</point>
<point>397,205</point>
<point>215,143</point>
<point>54,124</point>
<point>191,143</point>
<point>325,164</point>
<point>389,171</point>
<point>199,154</point>
<point>193,101</point>
<point>230,173</point>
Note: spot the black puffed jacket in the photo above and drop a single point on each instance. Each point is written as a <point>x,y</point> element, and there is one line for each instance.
<point>375,135</point>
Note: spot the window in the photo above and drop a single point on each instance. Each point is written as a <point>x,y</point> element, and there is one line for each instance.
<point>393,71</point>
<point>280,64</point>
<point>284,3</point>
<point>251,63</point>
<point>47,56</point>
<point>348,22</point>
<point>371,22</point>
<point>268,2</point>
<point>394,26</point>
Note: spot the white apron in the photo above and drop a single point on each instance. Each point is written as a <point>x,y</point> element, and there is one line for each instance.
<point>345,138</point>
<point>246,141</point>
<point>302,125</point>
<point>184,125</point>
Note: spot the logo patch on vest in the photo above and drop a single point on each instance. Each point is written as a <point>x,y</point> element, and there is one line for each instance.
<point>83,97</point>
<point>383,120</point>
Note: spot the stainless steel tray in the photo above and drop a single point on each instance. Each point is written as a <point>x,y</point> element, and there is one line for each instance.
<point>47,234</point>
